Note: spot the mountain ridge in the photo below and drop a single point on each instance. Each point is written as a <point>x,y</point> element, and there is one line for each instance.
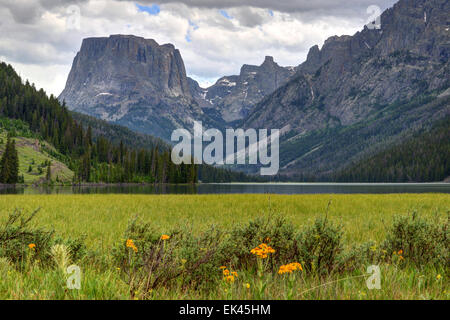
<point>136,82</point>
<point>233,97</point>
<point>361,79</point>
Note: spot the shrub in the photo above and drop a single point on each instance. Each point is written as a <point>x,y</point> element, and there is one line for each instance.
<point>418,241</point>
<point>273,230</point>
<point>201,256</point>
<point>359,257</point>
<point>148,261</point>
<point>5,265</point>
<point>77,247</point>
<point>19,242</point>
<point>319,245</point>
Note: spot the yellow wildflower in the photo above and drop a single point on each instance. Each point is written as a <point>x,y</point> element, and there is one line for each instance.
<point>32,246</point>
<point>130,244</point>
<point>165,237</point>
<point>247,285</point>
<point>289,268</point>
<point>438,277</point>
<point>262,251</point>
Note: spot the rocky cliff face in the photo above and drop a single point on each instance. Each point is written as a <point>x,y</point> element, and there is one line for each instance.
<point>132,81</point>
<point>356,79</point>
<point>352,76</point>
<point>233,97</point>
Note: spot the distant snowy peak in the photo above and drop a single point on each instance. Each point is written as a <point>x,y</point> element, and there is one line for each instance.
<point>233,97</point>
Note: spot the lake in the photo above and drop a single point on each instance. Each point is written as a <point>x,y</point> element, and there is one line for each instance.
<point>227,188</point>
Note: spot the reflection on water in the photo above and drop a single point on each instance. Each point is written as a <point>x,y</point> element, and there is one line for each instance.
<point>223,188</point>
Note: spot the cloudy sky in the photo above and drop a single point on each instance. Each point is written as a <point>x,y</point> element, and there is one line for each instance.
<point>41,37</point>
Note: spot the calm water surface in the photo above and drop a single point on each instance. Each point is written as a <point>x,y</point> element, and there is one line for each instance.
<point>236,188</point>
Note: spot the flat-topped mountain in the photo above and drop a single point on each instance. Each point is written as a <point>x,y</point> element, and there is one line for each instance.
<point>131,81</point>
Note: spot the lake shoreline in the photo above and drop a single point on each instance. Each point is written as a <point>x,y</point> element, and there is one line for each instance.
<point>232,188</point>
<point>100,184</point>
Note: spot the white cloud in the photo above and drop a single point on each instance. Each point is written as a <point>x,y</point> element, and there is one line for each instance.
<point>40,38</point>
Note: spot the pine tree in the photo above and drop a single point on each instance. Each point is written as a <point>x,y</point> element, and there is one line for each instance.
<point>48,177</point>
<point>14,159</point>
<point>4,164</point>
<point>9,164</point>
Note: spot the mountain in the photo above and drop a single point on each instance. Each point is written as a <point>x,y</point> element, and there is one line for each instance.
<point>351,99</point>
<point>361,93</point>
<point>233,97</point>
<point>142,85</point>
<point>134,82</point>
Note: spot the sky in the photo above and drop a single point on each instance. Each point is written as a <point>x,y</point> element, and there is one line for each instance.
<point>40,38</point>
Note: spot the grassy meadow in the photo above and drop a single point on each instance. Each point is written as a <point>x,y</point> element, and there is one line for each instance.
<point>33,155</point>
<point>102,220</point>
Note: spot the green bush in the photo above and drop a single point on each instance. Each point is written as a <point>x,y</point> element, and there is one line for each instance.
<point>201,256</point>
<point>147,261</point>
<point>359,256</point>
<point>274,230</point>
<point>16,237</point>
<point>318,246</point>
<point>190,260</point>
<point>24,244</point>
<point>76,246</point>
<point>418,241</point>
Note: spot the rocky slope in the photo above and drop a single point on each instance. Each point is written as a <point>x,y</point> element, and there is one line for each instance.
<point>361,79</point>
<point>233,97</point>
<point>134,82</point>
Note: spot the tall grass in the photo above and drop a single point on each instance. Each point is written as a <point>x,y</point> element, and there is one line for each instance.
<point>103,220</point>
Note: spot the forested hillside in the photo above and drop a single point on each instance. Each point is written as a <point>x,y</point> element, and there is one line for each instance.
<point>92,160</point>
<point>35,157</point>
<point>425,157</point>
<point>95,150</point>
<point>117,133</point>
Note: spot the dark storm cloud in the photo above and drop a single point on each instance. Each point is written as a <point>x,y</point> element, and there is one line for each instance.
<point>28,12</point>
<point>305,10</point>
<point>332,7</point>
